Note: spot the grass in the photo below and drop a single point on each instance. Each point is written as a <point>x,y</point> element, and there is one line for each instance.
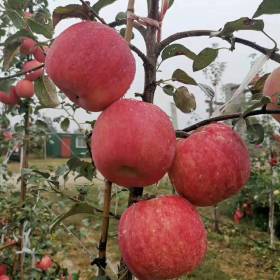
<point>232,255</point>
<point>48,164</point>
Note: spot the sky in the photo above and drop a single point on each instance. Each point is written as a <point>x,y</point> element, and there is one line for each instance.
<point>191,15</point>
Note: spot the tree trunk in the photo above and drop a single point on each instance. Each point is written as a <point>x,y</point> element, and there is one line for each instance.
<point>271,220</point>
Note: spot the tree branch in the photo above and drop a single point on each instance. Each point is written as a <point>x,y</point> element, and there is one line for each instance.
<point>141,29</point>
<point>181,35</point>
<point>144,58</point>
<point>197,33</point>
<point>93,11</point>
<point>21,73</point>
<point>263,111</point>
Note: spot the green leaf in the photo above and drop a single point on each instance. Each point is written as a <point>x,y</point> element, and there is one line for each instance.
<point>2,32</point>
<point>122,32</point>
<point>83,168</point>
<point>177,49</point>
<point>243,23</point>
<point>15,4</point>
<point>256,103</point>
<point>169,90</point>
<point>6,84</point>
<point>45,175</point>
<point>16,18</point>
<point>120,16</point>
<point>207,90</point>
<point>171,3</point>
<point>73,163</point>
<point>258,87</point>
<point>65,124</point>
<point>18,36</point>
<point>101,4</point>
<point>268,7</point>
<point>69,11</point>
<point>39,28</point>
<point>181,76</point>
<point>62,170</point>
<point>41,124</point>
<point>184,100</point>
<point>10,52</point>
<point>11,47</point>
<point>255,133</point>
<point>204,58</point>
<point>79,208</point>
<point>46,92</point>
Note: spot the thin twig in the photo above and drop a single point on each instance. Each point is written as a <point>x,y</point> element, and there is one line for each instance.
<point>8,245</point>
<point>144,58</point>
<point>93,11</point>
<point>136,25</point>
<point>197,33</point>
<point>21,73</point>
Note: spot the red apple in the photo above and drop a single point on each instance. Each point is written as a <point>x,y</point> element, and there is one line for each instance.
<point>4,277</point>
<point>40,53</point>
<point>3,269</point>
<point>25,89</point>
<point>27,46</point>
<point>92,64</point>
<point>162,238</point>
<point>45,263</point>
<point>238,216</point>
<point>272,90</point>
<point>10,98</point>
<point>27,15</point>
<point>8,136</point>
<point>4,97</point>
<point>210,165</point>
<point>133,143</point>
<point>34,75</point>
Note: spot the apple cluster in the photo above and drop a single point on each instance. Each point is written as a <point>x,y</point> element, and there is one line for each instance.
<point>134,145</point>
<point>25,88</point>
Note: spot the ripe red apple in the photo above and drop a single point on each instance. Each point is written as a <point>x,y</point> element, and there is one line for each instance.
<point>25,89</point>
<point>27,15</point>
<point>34,75</point>
<point>45,263</point>
<point>10,98</point>
<point>3,269</point>
<point>272,90</point>
<point>4,277</point>
<point>40,53</point>
<point>8,136</point>
<point>162,238</point>
<point>92,64</point>
<point>133,143</point>
<point>4,97</point>
<point>27,46</point>
<point>210,165</point>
